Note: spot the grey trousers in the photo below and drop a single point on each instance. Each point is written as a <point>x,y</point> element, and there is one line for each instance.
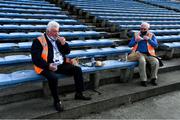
<point>154,66</point>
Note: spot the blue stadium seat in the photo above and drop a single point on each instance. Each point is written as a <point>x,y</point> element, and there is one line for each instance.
<point>138,18</point>
<point>31,35</point>
<point>7,46</point>
<point>7,28</point>
<point>23,76</point>
<point>18,59</point>
<point>168,38</point>
<point>163,32</point>
<point>15,59</point>
<point>18,77</point>
<point>36,21</point>
<point>18,15</point>
<point>44,3</point>
<point>20,10</point>
<point>171,45</point>
<point>165,3</point>
<point>30,6</point>
<point>138,13</point>
<point>25,46</point>
<point>133,22</point>
<point>136,27</point>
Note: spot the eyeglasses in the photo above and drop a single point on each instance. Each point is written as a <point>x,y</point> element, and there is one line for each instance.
<point>143,29</point>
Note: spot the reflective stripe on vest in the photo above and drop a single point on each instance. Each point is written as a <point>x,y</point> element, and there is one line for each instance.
<point>149,47</point>
<point>44,54</point>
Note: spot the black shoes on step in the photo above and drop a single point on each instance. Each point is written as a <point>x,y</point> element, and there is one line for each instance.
<point>58,106</point>
<point>80,96</point>
<point>144,83</point>
<point>152,82</point>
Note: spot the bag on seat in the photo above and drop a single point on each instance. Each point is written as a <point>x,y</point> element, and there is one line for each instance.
<point>74,61</point>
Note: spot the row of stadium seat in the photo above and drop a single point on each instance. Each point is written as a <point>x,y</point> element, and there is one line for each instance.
<point>25,46</point>
<point>18,59</point>
<point>175,5</point>
<point>30,35</point>
<point>134,14</point>
<point>39,3</point>
<point>30,6</point>
<point>48,16</point>
<point>36,21</point>
<point>21,10</point>
<point>24,28</point>
<point>24,76</point>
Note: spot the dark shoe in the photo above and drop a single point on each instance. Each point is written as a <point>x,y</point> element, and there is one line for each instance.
<point>153,82</point>
<point>58,106</point>
<point>144,83</point>
<point>80,96</point>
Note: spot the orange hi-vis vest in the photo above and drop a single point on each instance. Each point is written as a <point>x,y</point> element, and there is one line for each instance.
<point>150,47</point>
<point>44,53</point>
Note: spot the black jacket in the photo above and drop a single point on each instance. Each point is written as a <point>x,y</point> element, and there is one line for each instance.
<point>36,50</point>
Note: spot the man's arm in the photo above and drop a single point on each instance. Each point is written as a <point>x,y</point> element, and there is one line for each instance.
<point>132,42</point>
<point>63,46</point>
<point>36,50</point>
<point>153,41</point>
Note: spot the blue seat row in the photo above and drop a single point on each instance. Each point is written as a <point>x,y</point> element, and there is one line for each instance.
<point>117,4</point>
<point>138,18</point>
<point>136,13</point>
<point>30,6</point>
<point>29,1</point>
<point>136,27</point>
<point>44,3</point>
<point>35,21</point>
<point>116,8</point>
<point>138,22</point>
<point>171,45</point>
<point>102,9</point>
<point>168,38</point>
<point>20,10</point>
<point>31,35</point>
<point>25,46</point>
<point>133,12</point>
<point>18,15</point>
<point>164,3</point>
<point>7,28</point>
<point>24,76</point>
<point>96,8</point>
<point>19,59</point>
<point>163,32</point>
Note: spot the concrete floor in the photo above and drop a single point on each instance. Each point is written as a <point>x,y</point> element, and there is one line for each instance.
<point>166,106</point>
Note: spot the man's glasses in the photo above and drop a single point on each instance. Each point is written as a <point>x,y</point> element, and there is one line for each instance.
<point>144,29</point>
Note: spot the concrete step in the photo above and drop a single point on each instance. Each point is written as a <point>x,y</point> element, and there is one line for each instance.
<point>112,95</point>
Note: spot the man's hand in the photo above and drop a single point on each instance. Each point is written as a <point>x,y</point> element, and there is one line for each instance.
<point>53,67</point>
<point>62,40</point>
<point>146,38</point>
<point>138,38</point>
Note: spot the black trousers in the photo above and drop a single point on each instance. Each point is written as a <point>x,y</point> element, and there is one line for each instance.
<point>67,69</point>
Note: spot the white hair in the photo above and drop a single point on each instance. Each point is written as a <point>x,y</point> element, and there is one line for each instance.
<point>52,24</point>
<point>145,24</point>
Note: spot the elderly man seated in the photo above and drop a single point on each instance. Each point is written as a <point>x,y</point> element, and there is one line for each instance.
<point>144,43</point>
